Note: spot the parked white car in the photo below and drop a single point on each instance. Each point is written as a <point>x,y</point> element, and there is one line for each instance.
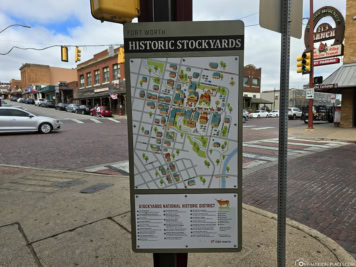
<point>294,113</point>
<point>273,114</point>
<point>258,114</point>
<point>14,120</point>
<point>39,101</point>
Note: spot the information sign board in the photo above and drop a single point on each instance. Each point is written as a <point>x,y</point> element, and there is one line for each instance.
<point>185,135</point>
<point>309,93</point>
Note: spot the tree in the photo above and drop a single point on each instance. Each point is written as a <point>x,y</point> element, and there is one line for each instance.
<point>173,156</point>
<point>210,150</point>
<point>142,128</point>
<point>181,135</point>
<point>143,155</point>
<point>203,180</point>
<point>217,102</point>
<point>225,143</point>
<point>156,173</point>
<point>150,114</point>
<point>223,157</point>
<point>149,70</point>
<point>223,146</point>
<point>177,151</point>
<point>161,181</point>
<point>146,159</point>
<point>230,109</point>
<point>227,168</point>
<point>141,83</point>
<point>155,67</point>
<point>208,164</point>
<point>218,161</point>
<point>221,76</point>
<point>155,129</point>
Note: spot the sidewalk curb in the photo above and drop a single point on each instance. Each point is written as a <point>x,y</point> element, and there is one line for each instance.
<point>341,254</point>
<point>63,171</point>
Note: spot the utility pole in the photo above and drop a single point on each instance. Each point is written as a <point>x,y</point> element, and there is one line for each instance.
<point>311,74</point>
<point>156,11</point>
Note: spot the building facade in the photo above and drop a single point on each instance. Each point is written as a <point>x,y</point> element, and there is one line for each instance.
<point>39,81</point>
<point>344,78</point>
<point>297,98</point>
<point>252,88</point>
<point>101,80</point>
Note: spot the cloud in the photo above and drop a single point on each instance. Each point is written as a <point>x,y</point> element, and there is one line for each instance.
<point>262,47</point>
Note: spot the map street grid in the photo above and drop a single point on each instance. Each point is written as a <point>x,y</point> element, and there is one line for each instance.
<point>182,109</point>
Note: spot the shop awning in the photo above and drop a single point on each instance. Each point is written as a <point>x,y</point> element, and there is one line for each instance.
<point>344,77</point>
<point>260,101</point>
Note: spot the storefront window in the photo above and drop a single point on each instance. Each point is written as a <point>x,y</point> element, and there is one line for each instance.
<point>97,76</point>
<point>89,79</point>
<point>246,81</point>
<point>106,74</point>
<point>82,80</point>
<point>255,82</point>
<point>116,73</point>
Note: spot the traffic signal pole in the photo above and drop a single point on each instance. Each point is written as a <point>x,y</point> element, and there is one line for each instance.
<point>155,11</point>
<point>311,74</point>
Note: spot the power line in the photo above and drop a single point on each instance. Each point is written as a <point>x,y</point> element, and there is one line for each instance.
<point>249,15</point>
<point>48,47</point>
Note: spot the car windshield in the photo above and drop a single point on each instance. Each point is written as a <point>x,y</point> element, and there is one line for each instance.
<point>82,106</point>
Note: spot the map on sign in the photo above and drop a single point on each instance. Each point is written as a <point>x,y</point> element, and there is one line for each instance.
<point>185,124</point>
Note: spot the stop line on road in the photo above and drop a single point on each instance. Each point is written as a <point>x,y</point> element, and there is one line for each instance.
<point>94,120</point>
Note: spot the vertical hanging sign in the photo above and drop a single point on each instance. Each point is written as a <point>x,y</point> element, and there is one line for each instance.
<point>185,135</point>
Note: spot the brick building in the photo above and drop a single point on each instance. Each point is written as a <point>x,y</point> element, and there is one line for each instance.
<point>345,76</point>
<point>15,88</point>
<point>252,88</point>
<point>101,81</point>
<point>39,81</point>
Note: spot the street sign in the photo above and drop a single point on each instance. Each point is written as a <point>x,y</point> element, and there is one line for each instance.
<point>319,87</point>
<point>329,61</point>
<point>270,16</point>
<point>309,93</point>
<point>185,135</point>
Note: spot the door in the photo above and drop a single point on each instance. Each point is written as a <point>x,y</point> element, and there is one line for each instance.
<point>5,120</point>
<point>23,121</point>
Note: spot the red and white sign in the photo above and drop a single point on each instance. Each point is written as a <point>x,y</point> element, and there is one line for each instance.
<point>329,61</point>
<point>329,51</point>
<point>101,90</point>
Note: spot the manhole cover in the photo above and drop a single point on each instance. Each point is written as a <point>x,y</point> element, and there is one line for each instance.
<point>95,188</point>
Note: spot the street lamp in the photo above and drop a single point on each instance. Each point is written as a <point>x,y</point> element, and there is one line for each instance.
<point>25,26</point>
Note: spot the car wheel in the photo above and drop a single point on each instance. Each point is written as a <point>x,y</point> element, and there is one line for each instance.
<point>243,119</point>
<point>45,128</point>
<point>258,116</point>
<point>83,112</point>
<point>294,117</point>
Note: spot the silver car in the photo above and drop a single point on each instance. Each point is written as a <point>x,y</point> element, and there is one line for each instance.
<point>17,120</point>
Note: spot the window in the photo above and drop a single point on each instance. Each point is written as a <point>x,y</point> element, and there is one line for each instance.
<point>5,112</point>
<point>106,74</point>
<point>97,76</point>
<point>89,79</point>
<point>246,81</point>
<point>254,96</point>
<point>116,73</point>
<point>82,80</point>
<point>18,113</point>
<point>255,82</point>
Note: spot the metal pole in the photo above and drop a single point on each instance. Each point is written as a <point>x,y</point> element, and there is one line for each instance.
<point>171,10</point>
<point>283,133</point>
<point>311,75</point>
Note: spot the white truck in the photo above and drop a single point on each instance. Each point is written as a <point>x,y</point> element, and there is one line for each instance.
<point>294,113</point>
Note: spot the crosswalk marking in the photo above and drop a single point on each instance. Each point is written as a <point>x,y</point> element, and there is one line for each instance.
<point>114,120</point>
<point>249,126</point>
<point>95,120</point>
<point>262,128</point>
<point>297,144</point>
<point>77,121</point>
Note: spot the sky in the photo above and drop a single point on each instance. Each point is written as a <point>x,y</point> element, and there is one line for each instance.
<point>69,22</point>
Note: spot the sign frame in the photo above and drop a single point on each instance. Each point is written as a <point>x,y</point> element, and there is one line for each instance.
<point>171,30</point>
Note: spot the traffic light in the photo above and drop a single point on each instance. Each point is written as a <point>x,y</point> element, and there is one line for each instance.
<point>304,63</point>
<point>120,11</point>
<point>64,53</point>
<point>121,56</point>
<point>77,54</point>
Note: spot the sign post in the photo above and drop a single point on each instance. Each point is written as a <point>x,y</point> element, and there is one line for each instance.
<point>185,135</point>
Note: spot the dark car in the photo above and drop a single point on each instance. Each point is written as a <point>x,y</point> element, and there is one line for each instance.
<point>72,108</point>
<point>61,106</point>
<point>48,104</point>
<point>83,109</point>
<point>29,101</point>
<point>13,98</point>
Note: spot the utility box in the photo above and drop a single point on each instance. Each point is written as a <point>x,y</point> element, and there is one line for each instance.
<point>119,11</point>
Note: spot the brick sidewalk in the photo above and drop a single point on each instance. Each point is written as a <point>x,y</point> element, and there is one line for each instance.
<point>321,192</point>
